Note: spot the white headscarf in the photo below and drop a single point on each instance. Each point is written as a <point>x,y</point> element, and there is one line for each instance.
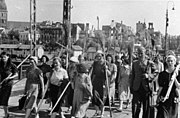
<point>171,56</point>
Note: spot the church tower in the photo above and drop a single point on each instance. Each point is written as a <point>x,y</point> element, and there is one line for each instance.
<point>3,14</point>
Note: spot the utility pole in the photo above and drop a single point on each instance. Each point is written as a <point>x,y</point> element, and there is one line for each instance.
<point>67,23</point>
<point>167,24</point>
<point>32,26</point>
<point>67,19</point>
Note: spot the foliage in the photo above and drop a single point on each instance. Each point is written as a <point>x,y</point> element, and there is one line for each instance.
<point>13,34</point>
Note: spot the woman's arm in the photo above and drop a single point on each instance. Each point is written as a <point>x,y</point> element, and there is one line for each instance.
<point>177,83</point>
<point>14,71</point>
<point>41,82</point>
<point>13,76</point>
<point>87,85</point>
<point>114,74</point>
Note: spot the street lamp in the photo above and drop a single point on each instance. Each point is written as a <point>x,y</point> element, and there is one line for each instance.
<point>167,20</point>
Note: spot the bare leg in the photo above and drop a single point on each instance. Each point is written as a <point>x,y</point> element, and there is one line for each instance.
<point>120,105</point>
<point>37,114</point>
<point>6,111</point>
<point>28,113</point>
<point>97,110</point>
<point>102,110</point>
<point>53,115</point>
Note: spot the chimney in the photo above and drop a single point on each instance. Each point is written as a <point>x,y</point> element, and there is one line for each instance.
<point>87,26</point>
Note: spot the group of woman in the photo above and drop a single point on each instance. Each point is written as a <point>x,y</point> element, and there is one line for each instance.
<point>39,78</point>
<point>58,79</point>
<point>103,74</point>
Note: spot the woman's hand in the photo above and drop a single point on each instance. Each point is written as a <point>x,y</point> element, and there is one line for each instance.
<point>60,82</point>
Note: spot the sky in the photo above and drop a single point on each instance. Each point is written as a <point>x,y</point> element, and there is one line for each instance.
<point>86,11</point>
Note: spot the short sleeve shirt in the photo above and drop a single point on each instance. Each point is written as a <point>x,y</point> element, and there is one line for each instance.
<point>58,75</point>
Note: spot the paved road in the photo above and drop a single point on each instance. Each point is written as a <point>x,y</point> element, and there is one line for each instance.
<point>15,113</point>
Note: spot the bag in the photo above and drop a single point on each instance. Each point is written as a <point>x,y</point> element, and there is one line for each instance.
<point>22,101</point>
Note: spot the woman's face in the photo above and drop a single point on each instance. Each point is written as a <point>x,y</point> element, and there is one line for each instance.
<point>32,62</point>
<point>141,55</point>
<point>99,57</point>
<point>56,63</point>
<point>5,58</point>
<point>44,60</point>
<point>109,59</point>
<point>170,62</point>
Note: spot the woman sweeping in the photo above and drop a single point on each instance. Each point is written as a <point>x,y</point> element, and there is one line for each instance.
<point>34,86</point>
<point>82,92</point>
<point>6,68</point>
<point>168,108</point>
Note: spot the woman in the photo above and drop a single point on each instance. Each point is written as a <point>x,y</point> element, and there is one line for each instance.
<point>98,81</point>
<point>45,68</point>
<point>7,68</point>
<point>58,79</point>
<point>72,72</point>
<point>123,84</point>
<point>169,108</point>
<point>112,77</point>
<point>82,92</point>
<point>34,86</point>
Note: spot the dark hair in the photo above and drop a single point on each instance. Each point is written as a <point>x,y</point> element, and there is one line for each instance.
<point>98,55</point>
<point>4,53</point>
<point>109,55</point>
<point>117,57</point>
<point>47,59</point>
<point>8,61</point>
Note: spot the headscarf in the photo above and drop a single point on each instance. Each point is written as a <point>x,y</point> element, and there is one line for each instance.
<point>171,56</point>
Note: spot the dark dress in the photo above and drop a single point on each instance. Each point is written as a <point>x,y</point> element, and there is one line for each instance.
<point>45,68</point>
<point>98,81</point>
<point>5,90</point>
<point>169,108</point>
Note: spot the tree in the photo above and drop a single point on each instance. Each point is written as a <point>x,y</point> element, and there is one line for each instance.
<point>13,34</point>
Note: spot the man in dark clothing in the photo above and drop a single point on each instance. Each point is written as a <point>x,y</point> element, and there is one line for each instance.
<point>141,75</point>
<point>118,63</point>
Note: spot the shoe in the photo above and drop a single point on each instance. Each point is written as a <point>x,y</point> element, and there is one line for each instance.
<point>101,116</point>
<point>68,110</point>
<point>7,116</point>
<point>62,115</point>
<point>96,114</point>
<point>37,116</point>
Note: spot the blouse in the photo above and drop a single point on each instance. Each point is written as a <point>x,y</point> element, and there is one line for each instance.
<point>58,76</point>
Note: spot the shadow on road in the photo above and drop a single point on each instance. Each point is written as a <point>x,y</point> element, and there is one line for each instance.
<point>16,113</point>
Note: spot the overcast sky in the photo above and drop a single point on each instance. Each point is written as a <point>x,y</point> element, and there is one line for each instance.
<point>86,11</point>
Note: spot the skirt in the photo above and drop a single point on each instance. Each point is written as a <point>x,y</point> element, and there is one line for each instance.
<point>5,93</point>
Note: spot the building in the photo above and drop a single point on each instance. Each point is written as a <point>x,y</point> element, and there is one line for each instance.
<point>49,34</point>
<point>140,26</point>
<point>148,37</point>
<point>76,29</point>
<point>3,14</point>
<point>24,37</point>
<point>77,50</point>
<point>20,50</point>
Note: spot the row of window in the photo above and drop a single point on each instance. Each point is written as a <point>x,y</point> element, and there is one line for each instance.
<point>3,21</point>
<point>3,14</point>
